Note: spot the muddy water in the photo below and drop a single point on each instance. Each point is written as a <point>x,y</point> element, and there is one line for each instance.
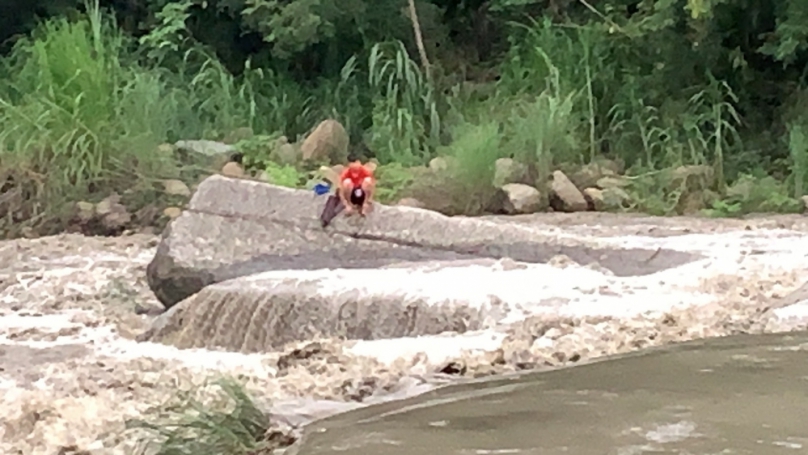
<point>736,395</point>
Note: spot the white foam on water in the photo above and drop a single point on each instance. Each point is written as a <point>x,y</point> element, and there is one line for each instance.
<point>49,322</point>
<point>797,311</point>
<point>437,349</point>
<point>572,291</point>
<point>196,359</point>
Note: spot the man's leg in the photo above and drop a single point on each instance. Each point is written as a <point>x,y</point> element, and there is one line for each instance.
<point>368,186</point>
<point>344,192</point>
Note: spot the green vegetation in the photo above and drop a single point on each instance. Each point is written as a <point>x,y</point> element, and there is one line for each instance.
<point>90,91</point>
<point>231,425</point>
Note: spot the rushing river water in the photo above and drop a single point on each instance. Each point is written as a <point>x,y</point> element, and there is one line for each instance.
<point>735,395</point>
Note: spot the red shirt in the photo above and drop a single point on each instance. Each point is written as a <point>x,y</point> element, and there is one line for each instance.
<point>356,174</point>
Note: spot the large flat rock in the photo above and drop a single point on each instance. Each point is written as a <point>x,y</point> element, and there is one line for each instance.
<point>264,311</point>
<point>235,228</point>
<point>742,394</point>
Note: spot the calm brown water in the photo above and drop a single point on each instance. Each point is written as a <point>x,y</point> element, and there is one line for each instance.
<point>736,395</point>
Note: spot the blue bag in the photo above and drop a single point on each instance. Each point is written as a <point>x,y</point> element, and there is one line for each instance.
<point>322,188</point>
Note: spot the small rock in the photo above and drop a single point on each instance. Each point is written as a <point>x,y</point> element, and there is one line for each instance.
<point>210,154</point>
<point>691,203</point>
<point>233,169</point>
<point>85,211</point>
<point>206,148</point>
<point>594,196</point>
<point>113,214</point>
<point>165,149</point>
<point>176,188</point>
<point>238,134</point>
<point>410,202</point>
<point>615,198</point>
<point>506,170</point>
<point>438,164</point>
<point>329,141</point>
<point>521,198</point>
<point>570,197</point>
<point>588,175</point>
<point>805,203</point>
<point>457,368</point>
<point>692,178</point>
<point>172,212</point>
<point>107,205</point>
<point>285,154</point>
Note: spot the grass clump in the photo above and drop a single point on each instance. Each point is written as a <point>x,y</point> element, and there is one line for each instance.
<point>238,428</point>
<point>62,134</point>
<point>466,185</point>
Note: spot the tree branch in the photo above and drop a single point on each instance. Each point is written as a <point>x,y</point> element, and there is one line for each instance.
<point>419,40</point>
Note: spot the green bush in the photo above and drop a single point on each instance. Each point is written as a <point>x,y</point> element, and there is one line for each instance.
<point>467,185</point>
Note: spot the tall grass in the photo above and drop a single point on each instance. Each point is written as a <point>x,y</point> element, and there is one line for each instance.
<point>61,133</point>
<point>406,122</point>
<point>80,117</point>
<point>475,151</point>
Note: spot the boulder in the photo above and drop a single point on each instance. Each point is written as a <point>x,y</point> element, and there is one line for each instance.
<point>286,154</point>
<point>233,169</point>
<point>234,228</point>
<point>522,199</point>
<point>113,215</point>
<point>209,154</point>
<point>615,198</point>
<point>328,142</point>
<point>174,187</point>
<point>439,164</point>
<point>594,197</point>
<point>589,174</point>
<point>569,197</point>
<point>691,178</point>
<point>607,199</point>
<point>239,134</point>
<point>506,170</point>
<point>265,311</point>
<point>172,212</point>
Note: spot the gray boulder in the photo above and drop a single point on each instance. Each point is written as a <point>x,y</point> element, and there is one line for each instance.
<point>247,266</point>
<point>237,227</point>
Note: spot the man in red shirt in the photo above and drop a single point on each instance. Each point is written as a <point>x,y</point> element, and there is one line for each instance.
<point>356,187</point>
